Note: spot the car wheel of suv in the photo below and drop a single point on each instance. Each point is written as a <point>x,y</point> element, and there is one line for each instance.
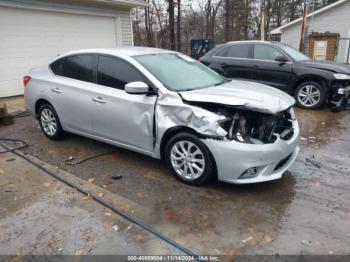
<point>189,159</point>
<point>50,123</point>
<point>310,95</point>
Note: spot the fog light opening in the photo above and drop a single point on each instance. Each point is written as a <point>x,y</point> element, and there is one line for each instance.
<point>249,173</point>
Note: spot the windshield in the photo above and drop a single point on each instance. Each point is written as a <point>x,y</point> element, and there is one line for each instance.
<point>293,53</point>
<point>179,72</point>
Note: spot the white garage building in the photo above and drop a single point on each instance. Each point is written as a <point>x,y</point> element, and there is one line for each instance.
<point>32,32</point>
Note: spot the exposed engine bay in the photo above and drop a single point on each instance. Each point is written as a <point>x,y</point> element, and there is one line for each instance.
<point>251,127</point>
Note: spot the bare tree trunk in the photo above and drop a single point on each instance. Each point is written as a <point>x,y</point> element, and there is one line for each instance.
<point>179,25</point>
<point>246,18</point>
<point>292,11</point>
<point>147,25</point>
<point>208,14</point>
<point>227,21</point>
<point>263,17</point>
<point>171,24</point>
<point>237,18</point>
<point>158,14</point>
<point>303,28</point>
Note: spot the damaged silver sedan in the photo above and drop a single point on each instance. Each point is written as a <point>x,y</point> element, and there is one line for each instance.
<point>168,106</point>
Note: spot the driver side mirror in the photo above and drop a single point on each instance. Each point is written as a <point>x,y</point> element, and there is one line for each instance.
<point>137,88</point>
<point>281,59</point>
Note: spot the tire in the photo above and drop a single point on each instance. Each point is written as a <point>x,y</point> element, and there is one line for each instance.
<point>51,126</point>
<point>313,94</point>
<point>200,167</point>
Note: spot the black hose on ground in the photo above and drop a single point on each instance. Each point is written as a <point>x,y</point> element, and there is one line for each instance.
<point>19,114</point>
<point>24,144</point>
<point>99,200</point>
<point>70,161</point>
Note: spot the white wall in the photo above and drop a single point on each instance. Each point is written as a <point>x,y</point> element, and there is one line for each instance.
<point>32,35</point>
<point>335,20</point>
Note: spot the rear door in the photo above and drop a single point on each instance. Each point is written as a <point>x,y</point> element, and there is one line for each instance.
<point>267,70</point>
<point>234,61</point>
<point>119,117</point>
<point>72,90</point>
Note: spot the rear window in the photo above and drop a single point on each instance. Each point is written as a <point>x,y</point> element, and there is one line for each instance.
<point>235,51</point>
<point>78,67</point>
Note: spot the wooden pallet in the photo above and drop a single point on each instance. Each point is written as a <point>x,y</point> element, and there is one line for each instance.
<point>5,117</point>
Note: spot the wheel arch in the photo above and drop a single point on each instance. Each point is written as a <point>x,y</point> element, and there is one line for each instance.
<point>178,129</point>
<point>308,78</point>
<point>169,133</point>
<point>39,103</point>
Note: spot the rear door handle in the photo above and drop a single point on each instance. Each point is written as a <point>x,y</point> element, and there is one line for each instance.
<point>99,100</point>
<point>56,90</point>
<point>223,64</point>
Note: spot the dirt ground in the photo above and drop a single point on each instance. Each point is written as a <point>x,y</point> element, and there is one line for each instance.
<point>41,215</point>
<point>306,212</point>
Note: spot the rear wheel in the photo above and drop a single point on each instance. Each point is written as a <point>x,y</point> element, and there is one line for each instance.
<point>189,159</point>
<point>49,122</point>
<point>310,95</point>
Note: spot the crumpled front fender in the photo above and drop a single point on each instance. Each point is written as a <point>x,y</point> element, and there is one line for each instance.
<point>171,111</point>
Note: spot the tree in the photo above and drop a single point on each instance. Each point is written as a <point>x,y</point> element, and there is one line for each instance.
<point>210,11</point>
<point>178,25</point>
<point>171,24</point>
<point>220,20</point>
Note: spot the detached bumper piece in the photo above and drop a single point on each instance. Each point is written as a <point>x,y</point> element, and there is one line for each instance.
<point>341,98</point>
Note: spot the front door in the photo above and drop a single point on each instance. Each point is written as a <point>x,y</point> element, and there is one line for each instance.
<point>267,70</point>
<point>120,117</point>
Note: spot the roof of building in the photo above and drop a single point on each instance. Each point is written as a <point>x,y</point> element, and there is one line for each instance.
<point>278,30</point>
<point>124,2</point>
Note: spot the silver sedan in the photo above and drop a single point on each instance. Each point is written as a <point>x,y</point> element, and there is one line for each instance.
<point>168,106</point>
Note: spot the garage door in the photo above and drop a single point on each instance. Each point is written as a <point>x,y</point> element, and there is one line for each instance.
<point>30,38</point>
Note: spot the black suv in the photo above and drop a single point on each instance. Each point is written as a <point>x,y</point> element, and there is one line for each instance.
<point>312,83</point>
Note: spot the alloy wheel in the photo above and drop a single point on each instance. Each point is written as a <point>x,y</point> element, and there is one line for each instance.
<point>309,95</point>
<point>187,160</point>
<point>48,122</point>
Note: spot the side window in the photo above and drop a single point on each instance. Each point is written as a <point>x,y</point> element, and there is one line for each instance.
<point>56,67</point>
<point>78,67</point>
<point>222,52</point>
<point>235,51</point>
<point>265,52</point>
<point>113,72</point>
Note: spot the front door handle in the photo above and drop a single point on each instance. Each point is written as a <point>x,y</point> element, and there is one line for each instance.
<point>56,90</point>
<point>99,100</point>
<point>223,64</point>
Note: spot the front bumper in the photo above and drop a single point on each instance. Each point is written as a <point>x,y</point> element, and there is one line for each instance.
<point>270,161</point>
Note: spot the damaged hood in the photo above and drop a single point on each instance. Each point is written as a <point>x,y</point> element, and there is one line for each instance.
<point>252,96</point>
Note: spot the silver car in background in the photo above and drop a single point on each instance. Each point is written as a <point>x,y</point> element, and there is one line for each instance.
<point>168,106</point>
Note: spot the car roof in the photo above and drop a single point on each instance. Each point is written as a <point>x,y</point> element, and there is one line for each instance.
<point>252,42</point>
<point>124,51</point>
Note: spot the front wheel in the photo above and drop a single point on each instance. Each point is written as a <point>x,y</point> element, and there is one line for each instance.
<point>310,95</point>
<point>189,159</point>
